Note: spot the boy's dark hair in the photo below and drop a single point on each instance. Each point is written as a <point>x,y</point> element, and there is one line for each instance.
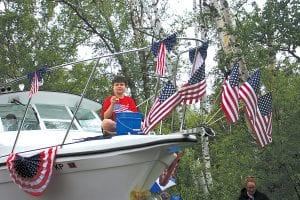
<point>119,79</point>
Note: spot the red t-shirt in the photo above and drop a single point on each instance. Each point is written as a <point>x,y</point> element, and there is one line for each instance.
<point>124,104</point>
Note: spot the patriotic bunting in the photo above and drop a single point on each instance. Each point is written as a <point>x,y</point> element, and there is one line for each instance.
<point>230,95</point>
<point>32,174</point>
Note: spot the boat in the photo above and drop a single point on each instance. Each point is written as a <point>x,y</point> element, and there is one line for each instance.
<point>88,165</point>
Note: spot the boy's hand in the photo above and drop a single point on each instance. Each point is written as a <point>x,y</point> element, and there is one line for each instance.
<point>114,100</point>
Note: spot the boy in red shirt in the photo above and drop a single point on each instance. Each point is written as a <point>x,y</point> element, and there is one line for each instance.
<point>118,102</point>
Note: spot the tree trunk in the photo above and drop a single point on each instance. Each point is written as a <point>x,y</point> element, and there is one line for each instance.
<point>223,20</point>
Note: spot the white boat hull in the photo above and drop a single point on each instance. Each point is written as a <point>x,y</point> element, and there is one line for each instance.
<point>132,163</point>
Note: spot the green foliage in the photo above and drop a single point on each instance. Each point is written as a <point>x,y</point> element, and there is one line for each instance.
<point>34,33</point>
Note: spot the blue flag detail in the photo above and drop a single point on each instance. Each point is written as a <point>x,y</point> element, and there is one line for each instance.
<point>40,73</point>
<point>202,49</point>
<point>169,42</point>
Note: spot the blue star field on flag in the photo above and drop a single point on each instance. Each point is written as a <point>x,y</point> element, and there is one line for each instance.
<point>265,104</point>
<point>27,167</point>
<point>234,76</point>
<point>40,73</point>
<point>169,42</point>
<point>254,81</point>
<point>166,92</point>
<point>198,76</point>
<point>202,49</point>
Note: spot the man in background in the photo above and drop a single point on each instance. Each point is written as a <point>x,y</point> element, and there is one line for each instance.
<point>250,192</point>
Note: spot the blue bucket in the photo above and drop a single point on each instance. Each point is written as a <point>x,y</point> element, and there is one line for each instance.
<point>128,123</point>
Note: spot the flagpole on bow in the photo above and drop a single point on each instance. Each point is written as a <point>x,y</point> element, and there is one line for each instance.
<point>34,89</point>
<point>21,125</point>
<point>80,101</point>
<point>185,106</point>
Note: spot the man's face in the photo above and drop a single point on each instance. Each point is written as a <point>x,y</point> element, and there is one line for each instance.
<point>119,88</point>
<point>251,188</point>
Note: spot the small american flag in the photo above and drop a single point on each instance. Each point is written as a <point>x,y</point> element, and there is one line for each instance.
<point>34,85</point>
<point>248,93</point>
<point>168,99</point>
<point>200,53</point>
<point>192,91</point>
<point>262,129</point>
<point>230,95</point>
<point>121,108</point>
<point>32,174</point>
<point>161,59</point>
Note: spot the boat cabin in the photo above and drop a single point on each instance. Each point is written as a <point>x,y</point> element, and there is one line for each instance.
<point>48,111</point>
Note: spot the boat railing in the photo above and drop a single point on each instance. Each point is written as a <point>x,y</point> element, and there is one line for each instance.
<point>97,59</point>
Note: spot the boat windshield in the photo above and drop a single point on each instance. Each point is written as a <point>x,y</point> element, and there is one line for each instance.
<point>11,117</point>
<point>55,116</point>
<point>60,116</point>
<point>87,120</point>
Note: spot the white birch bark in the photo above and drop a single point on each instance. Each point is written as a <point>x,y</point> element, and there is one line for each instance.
<point>223,20</point>
<point>205,178</point>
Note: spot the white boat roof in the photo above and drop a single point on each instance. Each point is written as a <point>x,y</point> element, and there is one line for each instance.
<point>50,98</point>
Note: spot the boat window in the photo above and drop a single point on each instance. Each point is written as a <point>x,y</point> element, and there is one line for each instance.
<point>58,125</point>
<point>87,120</point>
<point>55,116</point>
<point>53,112</point>
<point>12,114</point>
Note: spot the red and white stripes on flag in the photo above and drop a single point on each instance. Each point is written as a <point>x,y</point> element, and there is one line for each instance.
<point>248,93</point>
<point>195,88</point>
<point>159,111</point>
<point>191,94</point>
<point>161,59</point>
<point>262,128</point>
<point>32,174</point>
<point>163,105</point>
<point>34,85</point>
<point>230,95</point>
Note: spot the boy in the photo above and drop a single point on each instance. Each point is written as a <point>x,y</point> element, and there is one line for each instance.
<point>118,102</point>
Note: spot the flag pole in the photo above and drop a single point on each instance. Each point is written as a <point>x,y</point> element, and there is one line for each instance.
<point>174,82</point>
<point>81,98</point>
<point>21,125</point>
<point>213,106</point>
<point>185,106</point>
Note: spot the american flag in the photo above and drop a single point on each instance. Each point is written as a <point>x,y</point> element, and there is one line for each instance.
<point>34,85</point>
<point>167,100</point>
<point>192,91</point>
<point>265,108</point>
<point>161,59</point>
<point>200,53</point>
<point>262,128</point>
<point>230,95</point>
<point>170,171</point>
<point>121,108</point>
<point>248,93</point>
<point>32,174</point>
